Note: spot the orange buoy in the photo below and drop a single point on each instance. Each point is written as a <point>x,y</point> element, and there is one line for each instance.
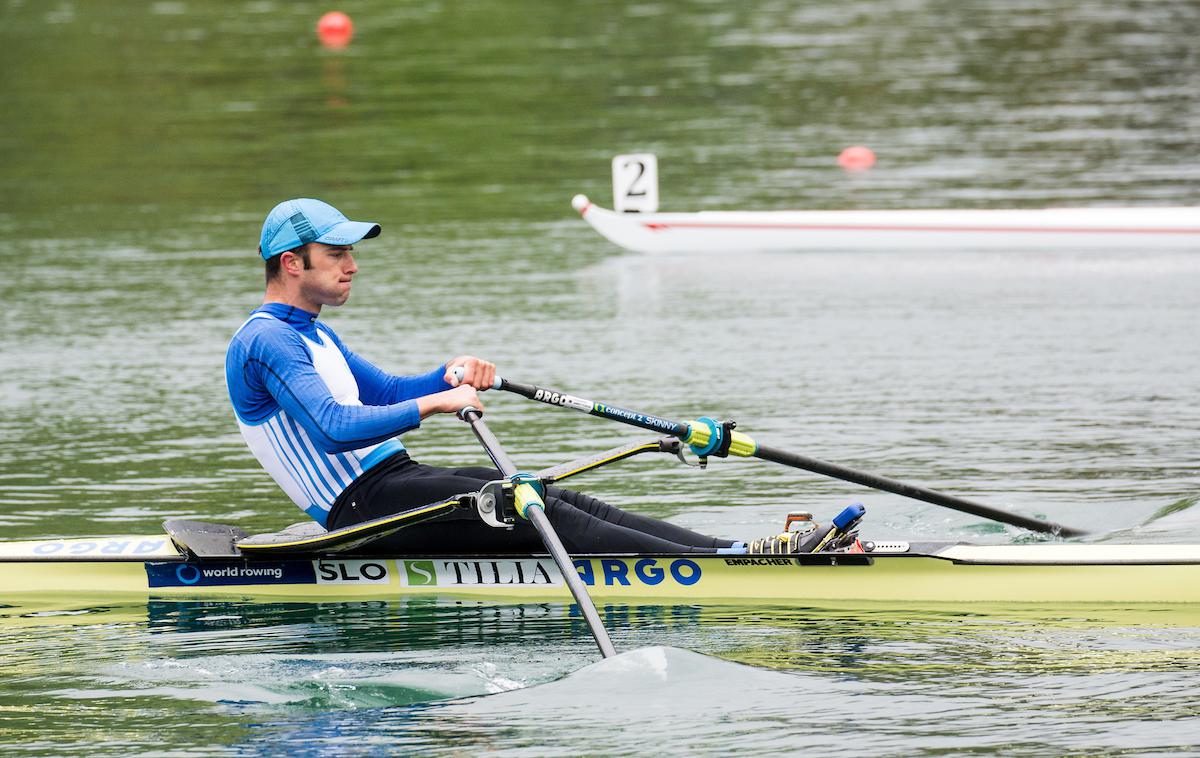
<point>334,30</point>
<point>856,158</point>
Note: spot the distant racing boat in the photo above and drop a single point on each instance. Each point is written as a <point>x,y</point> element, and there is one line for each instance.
<point>1127,229</point>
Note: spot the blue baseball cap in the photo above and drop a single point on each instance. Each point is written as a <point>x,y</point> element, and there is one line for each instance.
<point>293,223</point>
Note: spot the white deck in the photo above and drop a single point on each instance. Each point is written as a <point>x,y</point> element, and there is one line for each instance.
<point>1071,554</point>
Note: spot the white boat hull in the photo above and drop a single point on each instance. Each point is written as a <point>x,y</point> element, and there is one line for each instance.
<point>1125,229</point>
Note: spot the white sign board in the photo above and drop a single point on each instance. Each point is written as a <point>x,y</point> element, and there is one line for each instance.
<point>635,183</point>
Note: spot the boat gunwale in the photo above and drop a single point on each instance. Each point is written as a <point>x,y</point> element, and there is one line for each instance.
<point>957,553</point>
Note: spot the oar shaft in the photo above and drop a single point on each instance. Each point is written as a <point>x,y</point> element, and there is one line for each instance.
<point>533,511</point>
<point>911,490</point>
<point>603,410</point>
<point>746,446</point>
<point>489,441</point>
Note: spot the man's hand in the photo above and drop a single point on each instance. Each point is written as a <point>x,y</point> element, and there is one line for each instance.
<point>477,372</point>
<point>449,401</point>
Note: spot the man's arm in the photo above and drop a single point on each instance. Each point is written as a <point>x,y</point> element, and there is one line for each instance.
<point>279,362</point>
<point>378,387</point>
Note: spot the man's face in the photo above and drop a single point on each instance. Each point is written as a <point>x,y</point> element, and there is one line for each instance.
<point>327,280</point>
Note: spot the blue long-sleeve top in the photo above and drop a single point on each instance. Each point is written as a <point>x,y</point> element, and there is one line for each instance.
<point>316,414</point>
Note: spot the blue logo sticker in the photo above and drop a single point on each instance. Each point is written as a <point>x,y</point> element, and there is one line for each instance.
<point>187,574</point>
<point>229,573</point>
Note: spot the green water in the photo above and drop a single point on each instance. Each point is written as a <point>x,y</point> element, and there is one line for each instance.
<point>142,143</point>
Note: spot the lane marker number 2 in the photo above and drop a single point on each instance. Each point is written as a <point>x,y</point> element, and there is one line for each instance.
<point>635,183</point>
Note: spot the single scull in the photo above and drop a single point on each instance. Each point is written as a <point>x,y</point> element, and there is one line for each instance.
<point>151,565</point>
<point>196,559</point>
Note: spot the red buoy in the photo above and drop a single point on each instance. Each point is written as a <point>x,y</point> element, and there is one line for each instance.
<point>856,158</point>
<point>335,29</point>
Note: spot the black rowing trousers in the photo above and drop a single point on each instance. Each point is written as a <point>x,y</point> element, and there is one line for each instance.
<point>584,523</point>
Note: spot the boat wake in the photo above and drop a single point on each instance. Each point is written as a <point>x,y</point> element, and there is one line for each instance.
<point>340,681</point>
<point>1176,522</point>
<point>639,685</point>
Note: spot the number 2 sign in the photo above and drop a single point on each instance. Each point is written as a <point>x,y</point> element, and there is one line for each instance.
<point>635,183</point>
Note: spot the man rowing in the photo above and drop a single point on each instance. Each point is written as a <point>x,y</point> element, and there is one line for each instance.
<point>326,423</point>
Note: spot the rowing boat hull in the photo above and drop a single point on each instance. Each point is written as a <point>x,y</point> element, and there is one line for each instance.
<point>932,574</point>
<point>1126,229</point>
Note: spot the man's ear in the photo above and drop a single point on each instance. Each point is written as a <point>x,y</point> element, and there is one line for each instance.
<point>290,263</point>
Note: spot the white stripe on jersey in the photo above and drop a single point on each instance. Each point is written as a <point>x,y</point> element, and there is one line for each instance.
<point>312,478</point>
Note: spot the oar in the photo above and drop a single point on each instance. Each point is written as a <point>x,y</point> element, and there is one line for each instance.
<point>708,437</point>
<point>530,506</point>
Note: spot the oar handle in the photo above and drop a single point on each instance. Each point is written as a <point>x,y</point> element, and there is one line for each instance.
<point>459,373</point>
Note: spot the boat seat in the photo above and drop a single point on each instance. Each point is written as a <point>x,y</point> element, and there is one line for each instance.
<point>300,530</point>
<point>310,538</point>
